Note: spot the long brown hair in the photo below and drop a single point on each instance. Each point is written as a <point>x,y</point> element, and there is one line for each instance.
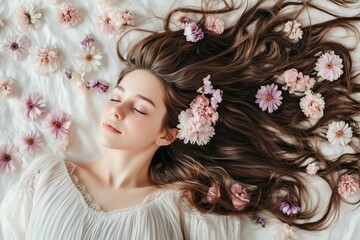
<point>266,153</point>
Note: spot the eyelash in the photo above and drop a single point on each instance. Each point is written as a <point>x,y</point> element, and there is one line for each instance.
<point>114,100</point>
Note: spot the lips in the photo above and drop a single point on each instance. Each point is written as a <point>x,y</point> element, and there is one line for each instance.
<point>111,127</point>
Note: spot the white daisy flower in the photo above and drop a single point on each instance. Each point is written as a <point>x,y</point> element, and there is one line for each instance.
<point>88,59</point>
<point>339,133</point>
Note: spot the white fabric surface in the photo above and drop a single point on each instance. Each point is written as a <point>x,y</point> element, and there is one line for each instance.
<point>60,94</point>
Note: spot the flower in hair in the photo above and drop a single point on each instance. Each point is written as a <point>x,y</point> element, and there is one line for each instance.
<point>329,66</point>
<point>27,17</point>
<point>193,33</point>
<point>240,198</point>
<point>260,220</point>
<point>293,28</point>
<point>312,169</point>
<point>6,88</point>
<point>68,16</point>
<point>269,98</point>
<point>296,81</point>
<point>289,208</point>
<point>312,105</point>
<point>213,193</point>
<point>348,186</point>
<point>214,24</point>
<point>196,124</point>
<point>339,133</point>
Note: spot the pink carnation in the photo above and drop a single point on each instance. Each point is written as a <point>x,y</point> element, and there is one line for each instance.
<point>312,104</point>
<point>329,66</point>
<point>6,87</point>
<point>348,186</point>
<point>297,82</point>
<point>27,17</point>
<point>213,193</point>
<point>312,169</point>
<point>293,28</point>
<point>240,197</point>
<point>68,16</point>
<point>214,24</point>
<point>269,98</point>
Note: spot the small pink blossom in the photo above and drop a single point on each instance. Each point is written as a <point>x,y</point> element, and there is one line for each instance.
<point>193,33</point>
<point>329,66</point>
<point>339,133</point>
<point>213,193</point>
<point>240,197</point>
<point>32,105</point>
<point>16,46</point>
<point>101,86</point>
<point>27,17</point>
<point>45,59</point>
<point>68,16</point>
<point>10,158</point>
<point>297,82</point>
<point>214,24</point>
<point>121,19</point>
<point>57,124</point>
<point>289,208</point>
<point>312,104</point>
<point>88,40</point>
<point>286,232</point>
<point>30,142</point>
<point>104,24</point>
<point>6,88</point>
<point>293,28</point>
<point>348,186</point>
<point>312,169</point>
<point>269,98</point>
<point>64,143</point>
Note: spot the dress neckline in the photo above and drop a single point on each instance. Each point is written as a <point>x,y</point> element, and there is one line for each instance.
<point>87,200</point>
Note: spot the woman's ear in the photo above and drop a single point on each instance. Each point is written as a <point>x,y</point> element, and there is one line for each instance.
<point>167,137</point>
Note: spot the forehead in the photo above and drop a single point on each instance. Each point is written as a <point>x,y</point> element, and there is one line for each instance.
<point>142,82</point>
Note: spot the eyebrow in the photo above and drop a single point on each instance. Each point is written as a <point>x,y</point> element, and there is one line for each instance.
<point>137,95</point>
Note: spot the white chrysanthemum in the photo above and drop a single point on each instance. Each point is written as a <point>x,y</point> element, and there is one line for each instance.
<point>294,30</point>
<point>45,60</point>
<point>88,59</point>
<point>339,133</point>
<point>27,17</point>
<point>312,105</point>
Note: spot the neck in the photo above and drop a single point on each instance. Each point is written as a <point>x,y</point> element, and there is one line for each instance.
<point>123,169</point>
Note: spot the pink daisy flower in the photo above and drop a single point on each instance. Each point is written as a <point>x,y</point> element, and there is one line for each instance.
<point>214,24</point>
<point>27,17</point>
<point>105,24</point>
<point>10,158</point>
<point>269,98</point>
<point>32,105</point>
<point>312,105</point>
<point>193,33</point>
<point>296,81</point>
<point>348,186</point>
<point>30,142</point>
<point>312,169</point>
<point>68,16</point>
<point>45,59</point>
<point>16,46</point>
<point>329,66</point>
<point>339,133</point>
<point>240,198</point>
<point>213,193</point>
<point>293,28</point>
<point>57,124</point>
<point>6,88</point>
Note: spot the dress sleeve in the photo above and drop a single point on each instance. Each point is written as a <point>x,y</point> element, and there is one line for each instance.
<point>196,225</point>
<point>16,207</point>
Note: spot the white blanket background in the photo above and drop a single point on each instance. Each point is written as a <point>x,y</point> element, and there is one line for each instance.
<point>62,95</point>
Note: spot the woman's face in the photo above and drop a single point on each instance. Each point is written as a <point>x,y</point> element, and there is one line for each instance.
<point>133,118</point>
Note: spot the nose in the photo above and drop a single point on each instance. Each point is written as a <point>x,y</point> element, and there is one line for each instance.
<point>117,113</point>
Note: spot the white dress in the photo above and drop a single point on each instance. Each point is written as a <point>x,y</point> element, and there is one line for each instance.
<point>50,203</point>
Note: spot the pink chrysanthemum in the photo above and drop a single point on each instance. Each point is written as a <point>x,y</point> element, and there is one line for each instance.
<point>45,60</point>
<point>293,28</point>
<point>105,24</point>
<point>10,158</point>
<point>88,59</point>
<point>30,142</point>
<point>27,17</point>
<point>348,186</point>
<point>214,24</point>
<point>312,104</point>
<point>312,169</point>
<point>193,33</point>
<point>329,66</point>
<point>121,19</point>
<point>16,46</point>
<point>57,124</point>
<point>32,106</point>
<point>296,81</point>
<point>269,98</point>
<point>213,193</point>
<point>339,133</point>
<point>68,16</point>
<point>6,88</point>
<point>239,197</point>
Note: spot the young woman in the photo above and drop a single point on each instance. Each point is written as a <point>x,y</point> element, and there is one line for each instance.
<point>205,125</point>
